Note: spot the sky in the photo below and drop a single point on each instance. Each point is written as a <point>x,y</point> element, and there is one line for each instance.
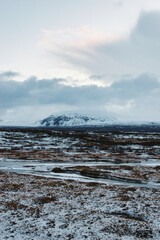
<point>96,57</point>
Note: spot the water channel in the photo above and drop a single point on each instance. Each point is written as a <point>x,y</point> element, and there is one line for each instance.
<point>44,168</point>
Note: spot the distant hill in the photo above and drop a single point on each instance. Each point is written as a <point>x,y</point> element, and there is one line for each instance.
<point>75,120</point>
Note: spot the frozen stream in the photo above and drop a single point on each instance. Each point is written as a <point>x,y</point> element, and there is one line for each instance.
<point>43,168</point>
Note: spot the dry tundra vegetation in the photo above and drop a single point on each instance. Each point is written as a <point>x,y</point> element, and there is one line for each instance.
<point>36,207</point>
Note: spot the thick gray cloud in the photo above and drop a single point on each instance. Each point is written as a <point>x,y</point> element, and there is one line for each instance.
<point>8,75</point>
<point>141,93</point>
<point>136,54</point>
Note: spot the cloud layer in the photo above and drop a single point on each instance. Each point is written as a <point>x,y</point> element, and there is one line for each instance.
<point>135,54</point>
<point>121,63</point>
<point>127,97</point>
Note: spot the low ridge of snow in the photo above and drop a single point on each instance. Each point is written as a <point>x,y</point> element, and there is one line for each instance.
<point>15,123</point>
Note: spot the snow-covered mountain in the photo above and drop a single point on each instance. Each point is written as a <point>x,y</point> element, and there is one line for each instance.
<point>75,120</point>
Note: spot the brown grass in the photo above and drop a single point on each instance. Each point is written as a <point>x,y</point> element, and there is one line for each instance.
<point>45,199</point>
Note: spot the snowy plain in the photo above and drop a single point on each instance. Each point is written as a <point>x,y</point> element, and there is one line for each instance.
<point>46,193</point>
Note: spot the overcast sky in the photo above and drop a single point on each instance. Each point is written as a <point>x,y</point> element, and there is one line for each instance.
<point>79,56</point>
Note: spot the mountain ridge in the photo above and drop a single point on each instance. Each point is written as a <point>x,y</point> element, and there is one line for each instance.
<point>75,120</point>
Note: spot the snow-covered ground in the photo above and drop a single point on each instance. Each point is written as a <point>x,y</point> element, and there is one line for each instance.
<point>67,204</point>
<point>39,208</point>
